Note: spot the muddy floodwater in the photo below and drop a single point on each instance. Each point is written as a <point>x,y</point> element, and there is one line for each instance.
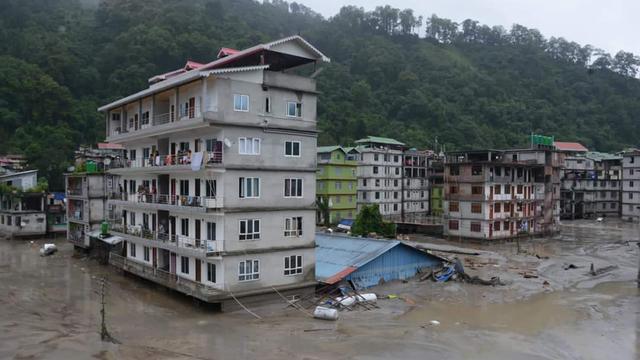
<point>49,309</point>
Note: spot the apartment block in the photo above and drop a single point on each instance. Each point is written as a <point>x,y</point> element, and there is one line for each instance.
<point>337,182</point>
<point>22,205</point>
<point>380,174</point>
<point>415,202</point>
<point>436,184</point>
<point>499,194</point>
<point>591,185</point>
<point>87,189</point>
<point>217,190</point>
<point>630,202</point>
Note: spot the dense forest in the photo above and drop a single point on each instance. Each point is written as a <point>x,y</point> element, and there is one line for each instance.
<point>393,73</point>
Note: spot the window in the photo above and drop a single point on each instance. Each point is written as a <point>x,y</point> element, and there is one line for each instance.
<point>249,187</point>
<point>476,190</point>
<point>375,169</point>
<point>476,170</point>
<point>184,264</point>
<point>210,188</point>
<point>453,225</point>
<point>267,105</point>
<point>249,229</point>
<point>293,188</point>
<point>497,208</point>
<point>211,231</point>
<point>630,183</point>
<point>507,207</point>
<point>145,253</point>
<point>475,227</point>
<point>338,185</point>
<point>498,171</point>
<point>293,226</point>
<point>396,158</point>
<point>132,154</point>
<point>249,270</point>
<point>145,118</point>
<point>453,189</point>
<point>184,227</point>
<point>292,148</point>
<point>240,102</point>
<point>454,206</point>
<point>132,249</point>
<point>613,206</point>
<point>377,195</point>
<point>397,171</point>
<point>249,146</point>
<point>211,272</point>
<point>630,195</point>
<point>294,109</point>
<point>293,265</point>
<point>184,187</point>
<point>476,208</point>
<point>497,189</point>
<point>454,170</point>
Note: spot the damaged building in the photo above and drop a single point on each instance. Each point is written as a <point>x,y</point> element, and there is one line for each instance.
<point>501,194</point>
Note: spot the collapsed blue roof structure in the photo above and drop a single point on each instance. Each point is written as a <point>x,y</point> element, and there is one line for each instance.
<point>367,261</point>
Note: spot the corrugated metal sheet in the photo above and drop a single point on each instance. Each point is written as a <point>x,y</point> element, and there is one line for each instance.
<point>366,261</point>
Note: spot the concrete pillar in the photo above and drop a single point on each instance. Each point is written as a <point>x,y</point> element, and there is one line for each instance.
<point>204,103</point>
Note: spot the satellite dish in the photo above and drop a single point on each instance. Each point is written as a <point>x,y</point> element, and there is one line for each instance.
<point>227,142</point>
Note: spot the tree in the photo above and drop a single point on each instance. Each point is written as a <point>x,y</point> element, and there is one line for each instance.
<point>440,29</point>
<point>370,221</point>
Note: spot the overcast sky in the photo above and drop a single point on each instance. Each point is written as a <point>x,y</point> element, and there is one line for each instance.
<point>611,25</point>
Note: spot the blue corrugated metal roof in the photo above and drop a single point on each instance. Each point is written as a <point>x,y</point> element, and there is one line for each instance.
<point>338,256</point>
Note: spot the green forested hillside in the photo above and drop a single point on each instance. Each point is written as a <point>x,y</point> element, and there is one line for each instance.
<point>469,85</point>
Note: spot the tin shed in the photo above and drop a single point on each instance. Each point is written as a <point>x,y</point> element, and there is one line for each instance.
<point>366,261</point>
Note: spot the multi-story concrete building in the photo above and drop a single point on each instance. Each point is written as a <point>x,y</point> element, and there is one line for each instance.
<point>380,174</point>
<point>337,183</point>
<point>87,191</point>
<point>22,205</point>
<point>218,187</point>
<point>591,184</point>
<point>415,202</point>
<point>631,185</point>
<point>436,184</point>
<point>497,194</point>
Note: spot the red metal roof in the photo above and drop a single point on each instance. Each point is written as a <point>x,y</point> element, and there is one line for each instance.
<point>570,146</point>
<point>226,52</point>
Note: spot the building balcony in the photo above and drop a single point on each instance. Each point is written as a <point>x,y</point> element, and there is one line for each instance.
<point>168,163</point>
<point>170,280</point>
<point>177,243</point>
<point>78,192</point>
<point>164,200</point>
<point>159,124</point>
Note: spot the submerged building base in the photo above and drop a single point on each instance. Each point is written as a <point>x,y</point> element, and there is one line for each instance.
<point>209,294</point>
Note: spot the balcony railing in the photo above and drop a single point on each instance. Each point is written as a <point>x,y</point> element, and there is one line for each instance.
<point>211,202</point>
<point>180,241</point>
<point>209,158</point>
<point>75,191</point>
<point>76,215</point>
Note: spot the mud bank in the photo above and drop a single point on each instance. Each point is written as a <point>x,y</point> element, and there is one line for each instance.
<point>49,310</point>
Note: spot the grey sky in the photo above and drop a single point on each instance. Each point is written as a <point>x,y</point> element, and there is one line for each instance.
<point>611,25</point>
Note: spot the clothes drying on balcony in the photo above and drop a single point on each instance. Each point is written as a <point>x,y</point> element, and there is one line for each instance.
<point>196,161</point>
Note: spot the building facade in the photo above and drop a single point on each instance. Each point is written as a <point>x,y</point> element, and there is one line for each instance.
<point>630,203</point>
<point>591,184</point>
<point>217,190</point>
<point>22,205</point>
<point>436,183</point>
<point>415,202</point>
<point>380,174</point>
<point>87,191</point>
<point>498,194</point>
<point>336,183</point>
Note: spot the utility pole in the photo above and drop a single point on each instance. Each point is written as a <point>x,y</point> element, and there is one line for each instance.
<point>104,333</point>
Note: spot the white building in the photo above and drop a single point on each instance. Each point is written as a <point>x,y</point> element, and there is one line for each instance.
<point>631,185</point>
<point>22,208</point>
<point>380,174</point>
<point>217,193</point>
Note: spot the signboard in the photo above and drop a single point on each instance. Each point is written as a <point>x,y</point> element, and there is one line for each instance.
<point>541,140</point>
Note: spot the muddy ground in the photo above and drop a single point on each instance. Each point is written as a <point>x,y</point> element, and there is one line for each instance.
<point>49,309</point>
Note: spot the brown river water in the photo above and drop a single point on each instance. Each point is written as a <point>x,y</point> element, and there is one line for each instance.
<point>49,309</point>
